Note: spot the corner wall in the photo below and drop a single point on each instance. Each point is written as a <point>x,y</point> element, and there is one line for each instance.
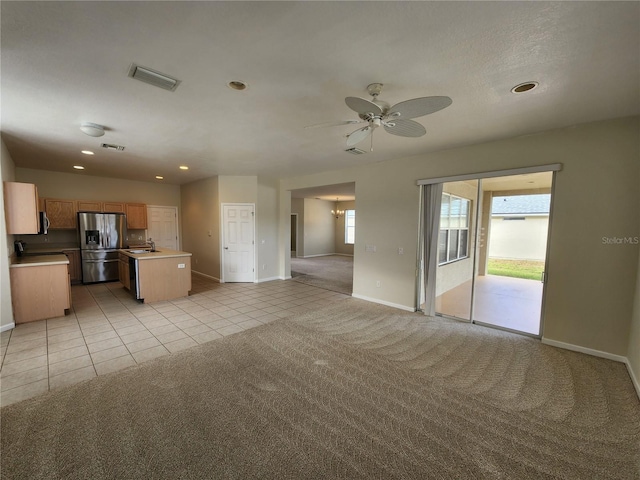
<point>7,172</point>
<point>201,225</point>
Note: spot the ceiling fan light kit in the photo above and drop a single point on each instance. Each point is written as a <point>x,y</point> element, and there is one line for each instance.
<point>396,119</point>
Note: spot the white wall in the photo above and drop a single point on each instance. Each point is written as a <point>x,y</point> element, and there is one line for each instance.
<point>590,285</point>
<point>633,354</point>
<point>7,172</point>
<point>319,227</point>
<point>519,239</point>
<point>267,229</point>
<point>201,225</point>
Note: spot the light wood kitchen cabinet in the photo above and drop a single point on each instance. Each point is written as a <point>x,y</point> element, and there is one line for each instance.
<point>39,292</point>
<point>86,206</point>
<point>75,270</point>
<point>21,208</point>
<point>61,213</point>
<point>136,216</point>
<point>113,207</point>
<point>123,270</point>
<point>103,207</point>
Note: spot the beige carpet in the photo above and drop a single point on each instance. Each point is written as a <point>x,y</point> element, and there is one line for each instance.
<point>331,272</point>
<point>352,391</point>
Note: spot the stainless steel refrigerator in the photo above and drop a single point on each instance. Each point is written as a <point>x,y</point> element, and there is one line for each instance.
<point>101,235</point>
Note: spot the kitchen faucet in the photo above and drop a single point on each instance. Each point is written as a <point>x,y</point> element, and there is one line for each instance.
<point>153,244</point>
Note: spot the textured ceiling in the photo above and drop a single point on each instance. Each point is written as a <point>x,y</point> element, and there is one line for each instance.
<point>65,63</point>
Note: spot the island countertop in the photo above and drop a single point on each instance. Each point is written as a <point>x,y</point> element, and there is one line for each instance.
<point>39,261</point>
<point>159,253</point>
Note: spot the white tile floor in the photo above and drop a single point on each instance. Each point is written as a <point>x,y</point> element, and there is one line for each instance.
<point>107,330</point>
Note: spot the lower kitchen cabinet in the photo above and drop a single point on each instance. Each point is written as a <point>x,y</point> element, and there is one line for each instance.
<point>123,270</point>
<point>75,268</point>
<point>39,291</point>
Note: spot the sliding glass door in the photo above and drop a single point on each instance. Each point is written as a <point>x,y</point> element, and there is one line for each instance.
<point>490,249</point>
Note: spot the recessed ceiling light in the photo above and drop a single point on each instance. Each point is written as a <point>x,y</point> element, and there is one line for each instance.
<point>78,167</point>
<point>87,152</point>
<point>237,85</point>
<point>524,87</point>
<point>184,167</point>
<point>159,177</point>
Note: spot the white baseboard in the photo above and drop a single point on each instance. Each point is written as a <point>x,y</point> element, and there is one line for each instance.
<point>270,279</point>
<point>206,276</point>
<point>8,326</point>
<point>318,255</point>
<point>286,278</point>
<point>634,378</point>
<point>588,351</point>
<point>382,302</point>
<point>344,254</point>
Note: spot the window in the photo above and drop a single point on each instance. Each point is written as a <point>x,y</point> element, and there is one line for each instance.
<point>350,227</point>
<point>453,239</point>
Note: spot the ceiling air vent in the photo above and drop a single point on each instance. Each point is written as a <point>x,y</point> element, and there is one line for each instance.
<point>111,146</point>
<point>153,78</point>
<point>355,151</point>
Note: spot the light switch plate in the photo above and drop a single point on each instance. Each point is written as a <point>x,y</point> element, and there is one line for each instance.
<point>181,265</point>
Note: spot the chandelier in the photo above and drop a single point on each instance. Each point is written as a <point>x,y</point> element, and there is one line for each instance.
<point>336,212</point>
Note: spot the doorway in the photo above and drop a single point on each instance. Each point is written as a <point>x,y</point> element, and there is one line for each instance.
<point>489,250</point>
<point>238,243</point>
<point>163,226</point>
<point>294,235</point>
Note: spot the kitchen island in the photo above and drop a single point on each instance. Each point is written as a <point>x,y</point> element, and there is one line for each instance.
<point>40,287</point>
<point>155,276</point>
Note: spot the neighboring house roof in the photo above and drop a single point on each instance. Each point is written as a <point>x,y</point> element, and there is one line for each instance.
<point>521,204</point>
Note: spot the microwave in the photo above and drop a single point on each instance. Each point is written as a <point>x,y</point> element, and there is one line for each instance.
<point>44,223</point>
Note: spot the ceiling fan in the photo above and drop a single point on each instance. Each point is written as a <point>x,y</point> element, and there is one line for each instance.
<point>394,119</point>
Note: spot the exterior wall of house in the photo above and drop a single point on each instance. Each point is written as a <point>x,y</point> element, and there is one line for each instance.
<point>591,311</point>
<point>8,173</point>
<point>450,275</point>
<point>519,239</point>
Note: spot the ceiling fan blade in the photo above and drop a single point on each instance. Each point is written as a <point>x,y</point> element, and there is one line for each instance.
<point>417,107</point>
<point>405,128</point>
<point>358,136</point>
<point>334,124</point>
<point>362,106</point>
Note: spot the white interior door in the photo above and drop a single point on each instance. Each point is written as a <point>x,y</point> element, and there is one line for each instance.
<point>162,226</point>
<point>238,243</point>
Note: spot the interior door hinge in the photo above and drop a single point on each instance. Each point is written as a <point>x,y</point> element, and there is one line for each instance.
<point>252,214</point>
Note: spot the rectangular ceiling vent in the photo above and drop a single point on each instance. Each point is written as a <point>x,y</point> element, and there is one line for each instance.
<point>355,151</point>
<point>152,77</point>
<point>111,146</point>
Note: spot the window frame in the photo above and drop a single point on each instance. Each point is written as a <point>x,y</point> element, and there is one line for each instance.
<point>454,226</point>
<point>348,228</point>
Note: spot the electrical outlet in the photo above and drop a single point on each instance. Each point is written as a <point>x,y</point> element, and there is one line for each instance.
<point>264,266</point>
<point>400,251</point>
<point>181,265</point>
<point>378,284</point>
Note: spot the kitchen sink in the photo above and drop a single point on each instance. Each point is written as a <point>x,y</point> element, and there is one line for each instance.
<point>139,251</point>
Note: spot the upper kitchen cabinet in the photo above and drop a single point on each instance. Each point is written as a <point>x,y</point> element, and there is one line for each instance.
<point>61,213</point>
<point>21,208</point>
<point>87,206</point>
<point>103,207</point>
<point>136,216</point>
<point>113,207</point>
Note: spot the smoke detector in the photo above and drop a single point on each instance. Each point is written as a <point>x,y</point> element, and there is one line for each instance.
<point>92,129</point>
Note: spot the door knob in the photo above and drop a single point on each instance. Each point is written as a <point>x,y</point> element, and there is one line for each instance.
<point>226,248</point>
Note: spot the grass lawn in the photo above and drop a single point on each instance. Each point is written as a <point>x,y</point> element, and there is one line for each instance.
<point>529,269</point>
